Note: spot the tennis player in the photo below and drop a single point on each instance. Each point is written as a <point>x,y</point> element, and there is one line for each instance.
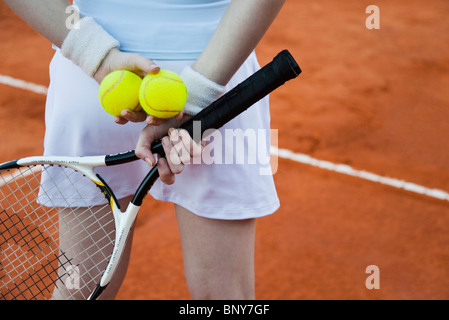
<point>211,44</point>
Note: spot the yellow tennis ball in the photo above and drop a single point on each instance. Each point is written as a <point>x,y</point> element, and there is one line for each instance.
<point>120,90</point>
<point>162,95</point>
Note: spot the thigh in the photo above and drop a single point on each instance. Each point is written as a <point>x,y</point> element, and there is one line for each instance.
<point>218,256</point>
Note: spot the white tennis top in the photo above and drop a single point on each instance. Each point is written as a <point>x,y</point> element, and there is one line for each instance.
<point>158,29</point>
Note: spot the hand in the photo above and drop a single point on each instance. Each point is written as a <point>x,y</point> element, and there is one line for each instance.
<point>178,146</point>
<point>118,60</point>
<point>139,116</point>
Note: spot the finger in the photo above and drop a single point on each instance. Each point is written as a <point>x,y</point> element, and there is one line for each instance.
<point>171,154</point>
<point>154,121</point>
<point>141,65</point>
<point>143,147</point>
<point>133,116</point>
<point>180,115</point>
<point>120,120</point>
<point>181,149</point>
<point>165,173</point>
<point>194,148</point>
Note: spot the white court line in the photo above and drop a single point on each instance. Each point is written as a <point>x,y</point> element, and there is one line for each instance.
<point>365,175</point>
<point>37,88</point>
<point>287,154</point>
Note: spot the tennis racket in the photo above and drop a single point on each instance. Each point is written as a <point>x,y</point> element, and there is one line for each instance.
<point>62,232</point>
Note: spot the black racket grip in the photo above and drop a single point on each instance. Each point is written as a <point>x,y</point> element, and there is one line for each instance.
<point>240,98</point>
<point>261,83</point>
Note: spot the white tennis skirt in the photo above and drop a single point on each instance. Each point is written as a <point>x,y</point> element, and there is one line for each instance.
<point>232,180</point>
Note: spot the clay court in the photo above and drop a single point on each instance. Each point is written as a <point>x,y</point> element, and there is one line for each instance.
<point>369,105</point>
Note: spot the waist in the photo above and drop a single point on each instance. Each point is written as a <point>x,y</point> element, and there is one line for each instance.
<point>163,30</point>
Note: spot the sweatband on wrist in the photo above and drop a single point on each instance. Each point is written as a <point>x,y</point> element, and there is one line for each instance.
<point>201,91</point>
<point>87,45</point>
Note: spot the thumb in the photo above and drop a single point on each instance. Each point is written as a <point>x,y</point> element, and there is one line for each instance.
<point>143,147</point>
<point>141,65</point>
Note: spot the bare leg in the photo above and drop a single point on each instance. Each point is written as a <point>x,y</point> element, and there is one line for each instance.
<point>78,277</point>
<point>218,256</point>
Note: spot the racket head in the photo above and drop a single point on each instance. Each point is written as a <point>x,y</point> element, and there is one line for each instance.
<point>57,231</point>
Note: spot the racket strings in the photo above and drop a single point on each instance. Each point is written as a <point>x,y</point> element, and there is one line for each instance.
<point>56,233</point>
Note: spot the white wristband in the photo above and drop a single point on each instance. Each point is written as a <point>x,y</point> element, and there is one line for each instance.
<point>201,91</point>
<point>87,45</point>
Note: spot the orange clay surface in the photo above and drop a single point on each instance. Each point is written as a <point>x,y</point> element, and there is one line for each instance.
<point>376,100</point>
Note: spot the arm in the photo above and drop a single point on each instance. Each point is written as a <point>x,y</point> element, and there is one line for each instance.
<point>242,27</point>
<point>49,17</point>
<point>239,31</point>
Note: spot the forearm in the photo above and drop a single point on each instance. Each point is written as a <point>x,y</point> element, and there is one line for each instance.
<point>84,42</point>
<point>48,17</point>
<point>242,27</point>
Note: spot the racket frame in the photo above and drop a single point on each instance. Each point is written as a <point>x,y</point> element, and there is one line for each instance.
<point>85,165</point>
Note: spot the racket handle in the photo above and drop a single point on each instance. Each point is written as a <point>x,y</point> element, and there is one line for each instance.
<point>240,98</point>
<point>261,83</point>
<point>273,75</point>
